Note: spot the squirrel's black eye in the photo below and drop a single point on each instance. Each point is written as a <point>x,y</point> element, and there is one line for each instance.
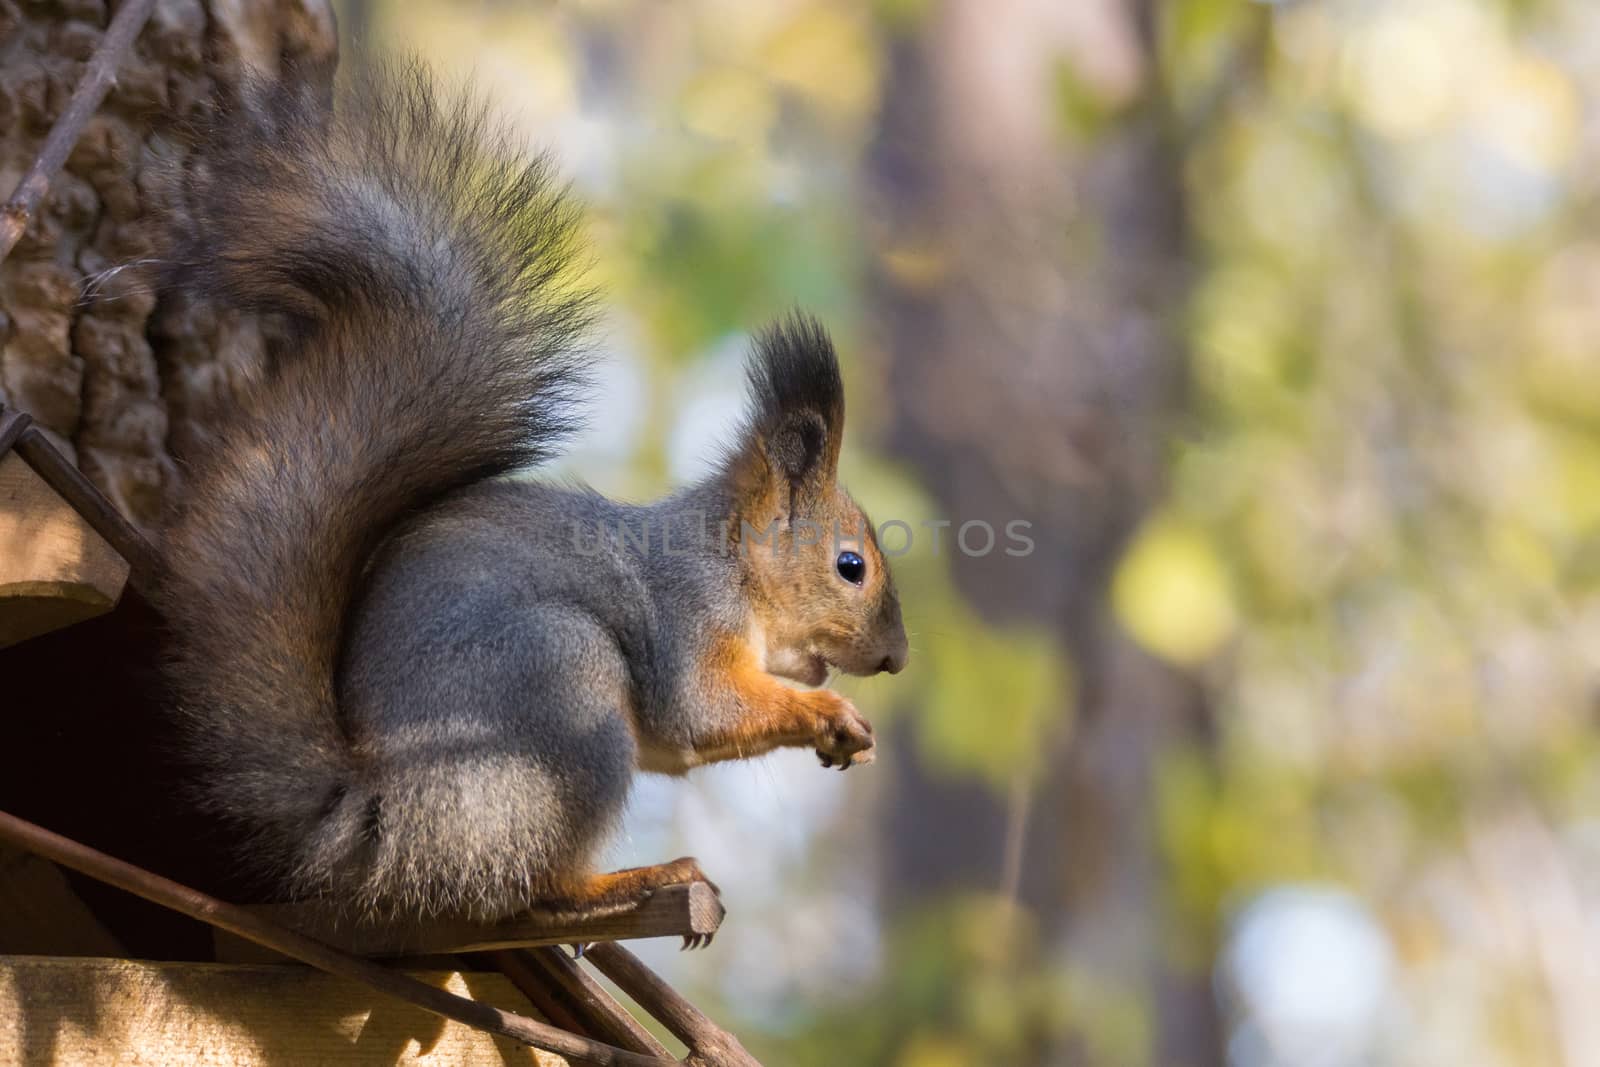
<point>852,568</point>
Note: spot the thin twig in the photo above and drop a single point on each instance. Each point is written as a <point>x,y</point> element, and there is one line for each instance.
<point>252,927</point>
<point>709,1044</point>
<point>13,424</point>
<point>74,487</point>
<point>555,975</point>
<point>98,76</point>
<point>548,1000</point>
<point>1018,804</point>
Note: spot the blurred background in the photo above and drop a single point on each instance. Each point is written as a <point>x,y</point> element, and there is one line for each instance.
<point>1278,323</point>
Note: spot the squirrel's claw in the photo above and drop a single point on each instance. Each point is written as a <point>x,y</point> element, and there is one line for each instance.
<point>844,737</point>
<point>844,763</point>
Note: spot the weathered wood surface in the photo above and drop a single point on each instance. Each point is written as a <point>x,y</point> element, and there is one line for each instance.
<point>673,911</point>
<point>91,1012</point>
<point>54,569</point>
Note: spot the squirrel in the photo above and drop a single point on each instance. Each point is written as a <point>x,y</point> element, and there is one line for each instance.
<point>406,684</point>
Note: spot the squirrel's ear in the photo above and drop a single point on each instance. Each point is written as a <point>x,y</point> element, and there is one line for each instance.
<point>790,445</point>
<point>798,448</point>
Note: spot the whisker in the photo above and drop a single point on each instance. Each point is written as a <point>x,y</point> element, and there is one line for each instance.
<point>95,283</point>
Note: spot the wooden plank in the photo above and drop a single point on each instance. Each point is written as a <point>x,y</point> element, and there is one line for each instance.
<point>94,1012</point>
<point>54,569</point>
<point>674,911</point>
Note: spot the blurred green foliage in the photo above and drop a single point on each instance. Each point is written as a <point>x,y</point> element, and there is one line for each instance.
<point>973,985</point>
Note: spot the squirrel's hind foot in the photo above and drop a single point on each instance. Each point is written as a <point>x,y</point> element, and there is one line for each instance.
<point>618,890</point>
<point>615,890</point>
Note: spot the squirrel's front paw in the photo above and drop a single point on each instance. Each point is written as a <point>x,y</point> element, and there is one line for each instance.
<point>844,737</point>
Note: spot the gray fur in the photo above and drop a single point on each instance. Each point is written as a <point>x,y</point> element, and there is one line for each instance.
<point>401,680</point>
<point>496,728</point>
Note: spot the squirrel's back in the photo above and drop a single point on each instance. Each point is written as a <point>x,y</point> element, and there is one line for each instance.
<point>426,272</point>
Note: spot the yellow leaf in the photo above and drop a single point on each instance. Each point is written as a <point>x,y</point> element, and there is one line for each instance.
<point>1172,592</point>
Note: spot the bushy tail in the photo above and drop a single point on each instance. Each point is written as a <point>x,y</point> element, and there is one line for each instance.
<point>427,275</point>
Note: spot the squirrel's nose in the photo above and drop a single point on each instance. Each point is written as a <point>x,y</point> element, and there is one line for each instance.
<point>893,663</point>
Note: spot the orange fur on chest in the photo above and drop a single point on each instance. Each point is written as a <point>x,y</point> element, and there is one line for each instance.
<point>767,713</point>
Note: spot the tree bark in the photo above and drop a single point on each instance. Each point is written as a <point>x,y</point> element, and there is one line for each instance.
<point>121,376</point>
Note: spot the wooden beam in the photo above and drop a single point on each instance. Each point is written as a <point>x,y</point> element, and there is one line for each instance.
<point>54,568</point>
<point>93,1012</point>
<point>687,911</point>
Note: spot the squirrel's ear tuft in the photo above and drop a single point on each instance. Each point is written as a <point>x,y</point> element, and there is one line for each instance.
<point>796,419</point>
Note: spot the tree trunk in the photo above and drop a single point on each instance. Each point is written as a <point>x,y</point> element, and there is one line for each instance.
<point>123,378</point>
<point>1038,373</point>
